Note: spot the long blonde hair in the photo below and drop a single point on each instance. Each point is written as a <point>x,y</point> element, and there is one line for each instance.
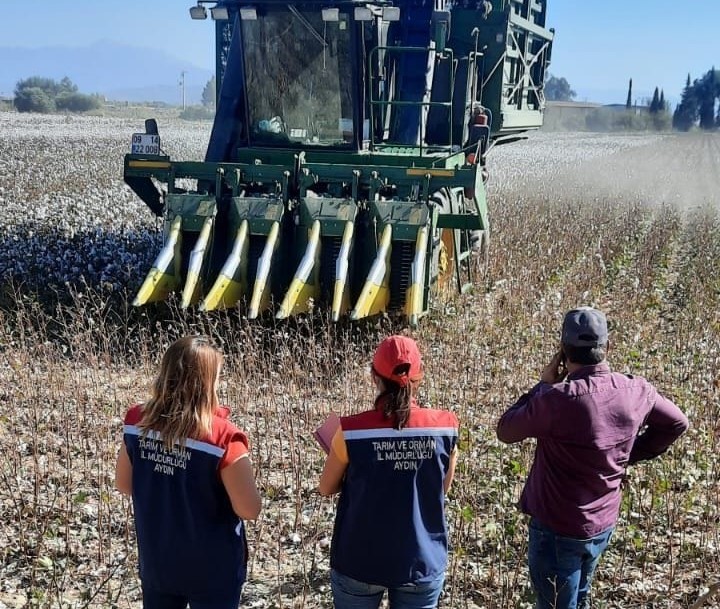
<point>184,392</point>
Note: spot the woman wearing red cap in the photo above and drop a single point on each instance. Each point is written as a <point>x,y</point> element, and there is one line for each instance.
<point>392,466</point>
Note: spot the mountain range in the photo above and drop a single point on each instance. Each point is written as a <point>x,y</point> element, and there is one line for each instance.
<point>141,74</point>
<point>114,70</point>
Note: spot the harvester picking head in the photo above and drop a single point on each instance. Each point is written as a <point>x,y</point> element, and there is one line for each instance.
<point>346,164</point>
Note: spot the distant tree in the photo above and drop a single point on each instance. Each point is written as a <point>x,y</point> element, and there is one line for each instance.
<point>628,103</point>
<point>655,103</point>
<point>77,102</point>
<point>33,99</point>
<point>209,94</point>
<point>48,85</point>
<point>558,89</point>
<point>663,103</point>
<point>686,114</point>
<point>706,92</point>
<point>197,113</point>
<point>662,121</point>
<point>67,86</point>
<point>38,94</point>
<point>622,119</point>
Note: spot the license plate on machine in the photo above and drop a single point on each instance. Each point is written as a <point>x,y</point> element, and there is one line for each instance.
<point>144,143</point>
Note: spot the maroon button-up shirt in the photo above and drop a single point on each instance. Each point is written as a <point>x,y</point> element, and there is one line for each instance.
<point>589,427</point>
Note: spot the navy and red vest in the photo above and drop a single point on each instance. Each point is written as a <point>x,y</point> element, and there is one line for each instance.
<point>190,541</point>
<point>390,527</point>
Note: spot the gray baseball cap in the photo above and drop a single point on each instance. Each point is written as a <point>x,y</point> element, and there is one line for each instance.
<point>585,327</point>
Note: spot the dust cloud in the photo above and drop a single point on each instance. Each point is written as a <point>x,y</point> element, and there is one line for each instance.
<point>680,170</point>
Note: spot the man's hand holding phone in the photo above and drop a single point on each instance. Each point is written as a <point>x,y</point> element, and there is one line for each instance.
<point>555,371</point>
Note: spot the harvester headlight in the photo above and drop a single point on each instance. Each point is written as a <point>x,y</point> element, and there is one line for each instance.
<point>391,13</point>
<point>198,12</point>
<point>363,13</point>
<point>219,13</point>
<point>248,13</point>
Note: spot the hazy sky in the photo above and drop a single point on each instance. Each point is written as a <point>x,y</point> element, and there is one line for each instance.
<point>599,45</point>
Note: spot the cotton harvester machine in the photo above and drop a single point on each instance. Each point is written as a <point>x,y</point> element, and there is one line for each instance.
<point>346,165</point>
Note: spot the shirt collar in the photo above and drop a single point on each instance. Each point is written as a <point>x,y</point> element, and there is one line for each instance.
<point>223,412</point>
<point>585,371</point>
<point>381,399</point>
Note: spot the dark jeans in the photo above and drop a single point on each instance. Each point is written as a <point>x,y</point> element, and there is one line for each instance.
<point>561,568</point>
<point>349,593</point>
<point>158,600</point>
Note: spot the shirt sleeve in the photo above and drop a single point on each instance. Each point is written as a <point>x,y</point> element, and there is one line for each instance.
<point>456,443</point>
<point>529,417</point>
<point>133,415</point>
<point>664,424</point>
<point>237,447</point>
<point>339,448</point>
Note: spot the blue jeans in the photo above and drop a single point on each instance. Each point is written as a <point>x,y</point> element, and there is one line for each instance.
<point>561,568</point>
<point>349,593</point>
<point>159,600</point>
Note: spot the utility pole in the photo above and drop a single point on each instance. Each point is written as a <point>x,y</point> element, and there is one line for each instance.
<point>182,86</point>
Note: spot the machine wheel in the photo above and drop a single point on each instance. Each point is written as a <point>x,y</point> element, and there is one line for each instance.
<point>445,278</point>
<point>446,262</point>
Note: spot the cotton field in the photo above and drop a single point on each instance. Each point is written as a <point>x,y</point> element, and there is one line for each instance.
<point>628,223</point>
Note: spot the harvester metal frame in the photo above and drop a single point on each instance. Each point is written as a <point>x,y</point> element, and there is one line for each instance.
<point>385,219</point>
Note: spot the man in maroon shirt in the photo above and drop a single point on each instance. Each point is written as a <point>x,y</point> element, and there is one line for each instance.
<point>590,424</point>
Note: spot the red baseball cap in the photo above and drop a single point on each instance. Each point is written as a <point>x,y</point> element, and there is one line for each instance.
<point>397,359</point>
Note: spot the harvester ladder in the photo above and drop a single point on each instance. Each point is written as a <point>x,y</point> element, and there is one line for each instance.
<point>463,261</point>
<point>386,105</point>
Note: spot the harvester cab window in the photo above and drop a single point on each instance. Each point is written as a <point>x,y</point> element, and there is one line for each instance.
<point>298,71</point>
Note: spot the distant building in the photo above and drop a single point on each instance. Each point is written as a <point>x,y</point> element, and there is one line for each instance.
<point>622,107</point>
<point>567,115</point>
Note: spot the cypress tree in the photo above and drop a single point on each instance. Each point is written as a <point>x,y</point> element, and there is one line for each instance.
<point>663,103</point>
<point>715,80</point>
<point>686,114</point>
<point>706,92</point>
<point>655,103</point>
<point>628,103</point>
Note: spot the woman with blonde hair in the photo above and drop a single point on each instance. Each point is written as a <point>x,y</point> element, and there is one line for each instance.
<point>188,471</point>
<point>392,466</point>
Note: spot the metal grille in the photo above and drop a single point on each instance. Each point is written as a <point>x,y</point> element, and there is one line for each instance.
<point>401,260</point>
<point>329,252</point>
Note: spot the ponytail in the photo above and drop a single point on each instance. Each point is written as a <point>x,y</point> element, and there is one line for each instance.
<point>396,399</point>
